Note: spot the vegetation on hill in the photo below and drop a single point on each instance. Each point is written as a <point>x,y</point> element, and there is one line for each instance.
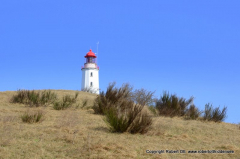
<point>66,102</point>
<point>39,131</point>
<point>122,114</point>
<point>214,114</point>
<point>32,116</point>
<point>171,105</point>
<point>34,98</point>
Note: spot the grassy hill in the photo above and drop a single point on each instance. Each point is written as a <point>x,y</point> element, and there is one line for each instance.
<point>79,133</point>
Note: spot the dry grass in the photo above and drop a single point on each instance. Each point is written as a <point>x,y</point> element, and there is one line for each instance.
<point>78,133</point>
<point>33,115</point>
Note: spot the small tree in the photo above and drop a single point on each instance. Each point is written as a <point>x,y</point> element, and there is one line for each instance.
<point>143,97</point>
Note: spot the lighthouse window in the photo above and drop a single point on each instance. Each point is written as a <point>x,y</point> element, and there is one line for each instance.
<point>90,59</point>
<point>91,84</point>
<point>91,74</point>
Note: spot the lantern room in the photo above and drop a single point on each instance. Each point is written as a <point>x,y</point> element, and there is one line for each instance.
<point>90,60</point>
<point>90,57</point>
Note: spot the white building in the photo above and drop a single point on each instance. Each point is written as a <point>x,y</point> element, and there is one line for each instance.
<point>90,76</point>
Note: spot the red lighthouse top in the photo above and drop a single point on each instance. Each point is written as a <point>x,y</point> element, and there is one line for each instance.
<point>90,54</point>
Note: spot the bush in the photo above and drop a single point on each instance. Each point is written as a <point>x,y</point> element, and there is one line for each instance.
<point>32,116</point>
<point>131,120</point>
<point>112,98</point>
<point>171,105</point>
<point>140,121</point>
<point>34,98</point>
<point>26,97</point>
<point>67,101</point>
<point>117,123</point>
<point>122,114</point>
<point>214,114</point>
<point>192,113</point>
<point>20,97</point>
<point>48,97</point>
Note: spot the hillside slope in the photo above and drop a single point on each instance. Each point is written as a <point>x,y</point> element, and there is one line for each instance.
<point>79,133</point>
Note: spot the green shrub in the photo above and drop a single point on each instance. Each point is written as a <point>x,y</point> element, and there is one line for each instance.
<point>121,113</point>
<point>214,114</point>
<point>117,123</point>
<point>192,113</point>
<point>113,97</point>
<point>140,120</point>
<point>171,105</point>
<point>20,97</point>
<point>131,120</point>
<point>32,116</point>
<point>48,97</point>
<point>34,98</point>
<point>66,102</point>
<point>26,97</point>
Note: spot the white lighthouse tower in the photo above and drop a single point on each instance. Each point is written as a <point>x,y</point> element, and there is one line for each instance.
<point>90,76</point>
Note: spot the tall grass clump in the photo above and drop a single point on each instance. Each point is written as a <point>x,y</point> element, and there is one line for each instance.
<point>47,97</point>
<point>20,97</point>
<point>66,102</point>
<point>214,114</point>
<point>34,98</point>
<point>121,113</point>
<point>29,97</point>
<point>32,116</point>
<point>171,105</point>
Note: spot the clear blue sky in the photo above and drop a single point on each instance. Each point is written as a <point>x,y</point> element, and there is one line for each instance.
<point>191,48</point>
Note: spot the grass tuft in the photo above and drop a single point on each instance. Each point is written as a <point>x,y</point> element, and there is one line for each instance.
<point>66,102</point>
<point>32,116</point>
<point>48,97</point>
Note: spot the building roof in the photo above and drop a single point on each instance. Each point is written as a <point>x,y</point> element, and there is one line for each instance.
<point>90,54</point>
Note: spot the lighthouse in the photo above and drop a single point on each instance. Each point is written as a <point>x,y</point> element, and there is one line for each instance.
<point>90,76</point>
